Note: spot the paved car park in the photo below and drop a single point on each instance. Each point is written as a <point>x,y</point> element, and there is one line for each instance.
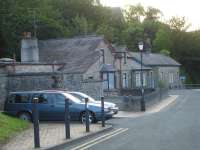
<point>51,134</point>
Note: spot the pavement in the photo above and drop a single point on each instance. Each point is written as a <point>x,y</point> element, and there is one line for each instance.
<point>153,109</point>
<point>51,134</point>
<point>173,127</point>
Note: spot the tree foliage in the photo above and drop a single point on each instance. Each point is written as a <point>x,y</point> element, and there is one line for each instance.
<point>68,18</point>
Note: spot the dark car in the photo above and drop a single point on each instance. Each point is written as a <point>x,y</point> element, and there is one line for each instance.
<point>51,106</point>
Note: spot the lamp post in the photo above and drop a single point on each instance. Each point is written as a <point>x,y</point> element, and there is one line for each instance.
<point>142,102</point>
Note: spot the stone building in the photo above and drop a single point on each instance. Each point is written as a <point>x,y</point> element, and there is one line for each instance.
<point>89,64</point>
<point>164,70</point>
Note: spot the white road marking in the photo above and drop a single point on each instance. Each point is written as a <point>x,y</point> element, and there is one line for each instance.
<point>106,138</point>
<point>98,138</point>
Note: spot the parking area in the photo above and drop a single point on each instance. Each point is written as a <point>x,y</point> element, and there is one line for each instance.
<point>51,134</point>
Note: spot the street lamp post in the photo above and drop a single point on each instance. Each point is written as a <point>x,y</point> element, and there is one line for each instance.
<point>142,102</point>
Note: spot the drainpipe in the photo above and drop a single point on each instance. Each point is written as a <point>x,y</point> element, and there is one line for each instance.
<point>14,58</point>
<point>120,74</point>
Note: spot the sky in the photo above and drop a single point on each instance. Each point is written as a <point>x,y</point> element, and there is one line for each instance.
<point>188,8</point>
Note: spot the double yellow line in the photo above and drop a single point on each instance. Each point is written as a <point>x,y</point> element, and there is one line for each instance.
<point>100,139</point>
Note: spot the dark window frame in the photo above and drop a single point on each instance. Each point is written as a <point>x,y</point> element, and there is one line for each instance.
<point>108,81</point>
<point>21,95</point>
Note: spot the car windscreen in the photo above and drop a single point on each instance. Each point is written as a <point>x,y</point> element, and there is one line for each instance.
<point>72,98</point>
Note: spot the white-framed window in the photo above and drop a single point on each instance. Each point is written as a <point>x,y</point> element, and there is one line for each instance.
<point>151,79</point>
<point>137,79</point>
<point>125,80</point>
<point>108,80</point>
<point>144,79</point>
<point>161,76</point>
<point>171,77</point>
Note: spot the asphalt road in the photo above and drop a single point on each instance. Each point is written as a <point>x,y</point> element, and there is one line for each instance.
<point>176,127</point>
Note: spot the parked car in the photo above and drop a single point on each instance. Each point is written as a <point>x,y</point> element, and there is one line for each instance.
<point>82,97</point>
<point>51,106</point>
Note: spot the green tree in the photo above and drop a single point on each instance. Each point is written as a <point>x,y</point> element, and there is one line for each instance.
<point>107,31</point>
<point>133,34</point>
<point>134,13</point>
<point>163,39</point>
<point>153,14</point>
<point>178,23</point>
<point>165,52</point>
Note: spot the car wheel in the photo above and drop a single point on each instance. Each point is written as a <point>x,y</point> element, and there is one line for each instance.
<point>25,116</point>
<point>91,118</point>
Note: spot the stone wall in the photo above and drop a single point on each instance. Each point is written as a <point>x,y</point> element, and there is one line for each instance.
<point>93,88</point>
<point>75,82</point>
<point>34,81</point>
<point>46,81</point>
<point>3,89</point>
<point>132,103</point>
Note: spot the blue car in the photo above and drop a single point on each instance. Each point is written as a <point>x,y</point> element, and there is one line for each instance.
<point>51,106</point>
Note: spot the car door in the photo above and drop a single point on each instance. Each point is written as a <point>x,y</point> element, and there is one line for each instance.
<point>59,105</point>
<point>45,106</point>
<point>74,110</point>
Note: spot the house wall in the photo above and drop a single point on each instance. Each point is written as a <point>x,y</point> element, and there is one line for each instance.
<point>109,58</point>
<point>22,68</point>
<point>147,78</point>
<point>165,73</point>
<point>125,68</point>
<point>94,70</point>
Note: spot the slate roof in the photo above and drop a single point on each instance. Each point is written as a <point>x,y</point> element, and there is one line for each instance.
<point>154,59</point>
<point>137,66</point>
<point>78,53</point>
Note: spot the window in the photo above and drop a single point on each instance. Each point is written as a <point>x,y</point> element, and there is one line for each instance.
<point>42,98</point>
<point>171,78</point>
<point>144,79</point>
<point>161,76</point>
<point>137,79</point>
<point>105,81</point>
<point>109,80</point>
<point>59,99</point>
<point>151,80</point>
<point>19,98</point>
<point>125,80</point>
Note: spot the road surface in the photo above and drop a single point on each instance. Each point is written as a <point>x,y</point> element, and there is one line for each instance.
<point>176,127</point>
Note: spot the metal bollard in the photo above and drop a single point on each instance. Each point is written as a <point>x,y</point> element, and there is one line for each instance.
<point>87,116</point>
<point>36,123</point>
<point>67,119</point>
<point>102,112</point>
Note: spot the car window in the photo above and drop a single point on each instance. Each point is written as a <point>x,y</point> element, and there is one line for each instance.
<point>59,99</point>
<point>72,98</point>
<point>82,96</point>
<point>18,98</point>
<point>78,96</point>
<point>43,98</point>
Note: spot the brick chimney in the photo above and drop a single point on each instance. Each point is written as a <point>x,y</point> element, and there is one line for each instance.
<point>29,48</point>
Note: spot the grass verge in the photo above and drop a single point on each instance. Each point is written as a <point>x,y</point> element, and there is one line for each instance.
<point>9,126</point>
